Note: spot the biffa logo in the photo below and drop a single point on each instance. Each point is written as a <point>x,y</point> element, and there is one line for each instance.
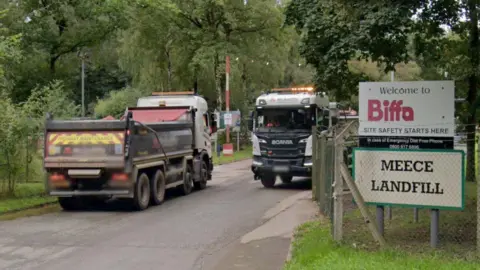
<point>392,111</point>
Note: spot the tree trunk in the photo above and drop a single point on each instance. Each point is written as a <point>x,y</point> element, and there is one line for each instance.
<point>53,62</point>
<point>472,90</point>
<point>169,69</point>
<point>195,84</point>
<point>246,104</point>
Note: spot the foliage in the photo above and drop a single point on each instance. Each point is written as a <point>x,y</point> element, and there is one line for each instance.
<point>130,49</point>
<point>388,33</point>
<point>117,101</point>
<point>313,248</point>
<point>51,98</point>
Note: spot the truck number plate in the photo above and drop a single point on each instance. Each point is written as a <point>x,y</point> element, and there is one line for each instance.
<point>89,151</point>
<point>280,169</point>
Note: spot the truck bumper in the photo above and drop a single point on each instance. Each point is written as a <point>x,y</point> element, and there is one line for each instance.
<point>295,167</point>
<point>100,193</point>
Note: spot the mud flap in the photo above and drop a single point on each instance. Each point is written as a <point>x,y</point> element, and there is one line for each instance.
<point>197,163</point>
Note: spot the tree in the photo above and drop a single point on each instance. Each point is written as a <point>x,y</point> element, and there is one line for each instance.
<point>53,32</point>
<point>335,32</point>
<point>175,45</point>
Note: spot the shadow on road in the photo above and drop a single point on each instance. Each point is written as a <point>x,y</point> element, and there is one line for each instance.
<point>125,205</point>
<point>296,184</point>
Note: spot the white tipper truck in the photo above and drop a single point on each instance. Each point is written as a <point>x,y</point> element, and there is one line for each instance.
<point>162,143</point>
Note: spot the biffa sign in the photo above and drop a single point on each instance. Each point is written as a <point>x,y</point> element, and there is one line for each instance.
<point>412,115</point>
<point>416,178</point>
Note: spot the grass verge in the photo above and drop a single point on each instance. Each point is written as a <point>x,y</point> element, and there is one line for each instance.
<point>314,249</point>
<point>457,229</point>
<point>246,153</point>
<point>27,196</point>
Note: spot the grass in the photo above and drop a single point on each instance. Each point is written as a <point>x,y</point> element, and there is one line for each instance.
<point>457,229</point>
<point>243,154</point>
<point>26,196</point>
<point>314,249</point>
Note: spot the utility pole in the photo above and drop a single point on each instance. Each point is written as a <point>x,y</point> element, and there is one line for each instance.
<point>227,93</point>
<point>83,55</point>
<point>83,87</point>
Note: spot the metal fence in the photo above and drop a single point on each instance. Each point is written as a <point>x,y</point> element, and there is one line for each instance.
<point>368,226</point>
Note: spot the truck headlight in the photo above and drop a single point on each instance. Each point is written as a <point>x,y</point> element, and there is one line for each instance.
<point>303,140</point>
<point>305,101</point>
<point>262,141</point>
<point>308,162</point>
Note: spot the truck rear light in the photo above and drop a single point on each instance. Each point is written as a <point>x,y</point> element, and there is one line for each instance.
<point>120,177</point>
<point>56,177</point>
<point>67,151</point>
<point>53,150</point>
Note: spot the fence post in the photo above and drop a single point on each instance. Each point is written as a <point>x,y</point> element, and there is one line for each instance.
<point>314,164</point>
<point>322,148</point>
<point>338,190</point>
<point>478,206</point>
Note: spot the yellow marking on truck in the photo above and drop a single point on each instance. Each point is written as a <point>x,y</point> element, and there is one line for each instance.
<point>88,138</point>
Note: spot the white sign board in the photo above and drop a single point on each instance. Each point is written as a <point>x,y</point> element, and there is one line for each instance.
<point>416,178</point>
<point>227,118</point>
<point>409,109</point>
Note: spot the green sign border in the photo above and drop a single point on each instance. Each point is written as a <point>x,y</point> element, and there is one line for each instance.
<point>415,150</point>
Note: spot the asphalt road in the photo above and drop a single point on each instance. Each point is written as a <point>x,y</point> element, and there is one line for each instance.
<point>200,231</point>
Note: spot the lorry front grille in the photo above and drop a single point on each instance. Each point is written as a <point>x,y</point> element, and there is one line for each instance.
<point>283,153</point>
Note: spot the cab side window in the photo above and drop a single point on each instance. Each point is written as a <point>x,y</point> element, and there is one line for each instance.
<point>206,120</point>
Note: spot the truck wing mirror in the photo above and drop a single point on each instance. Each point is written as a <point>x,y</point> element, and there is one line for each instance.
<point>213,122</point>
<point>250,124</point>
<point>214,126</point>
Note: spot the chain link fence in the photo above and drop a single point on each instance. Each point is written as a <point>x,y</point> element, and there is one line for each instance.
<point>415,227</point>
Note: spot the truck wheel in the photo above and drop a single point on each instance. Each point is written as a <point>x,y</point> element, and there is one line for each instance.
<point>268,181</point>
<point>202,183</point>
<point>286,179</point>
<point>157,187</point>
<point>187,186</point>
<point>141,194</point>
<point>69,203</point>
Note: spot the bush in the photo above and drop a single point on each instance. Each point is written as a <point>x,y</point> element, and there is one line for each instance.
<point>21,127</point>
<point>117,101</point>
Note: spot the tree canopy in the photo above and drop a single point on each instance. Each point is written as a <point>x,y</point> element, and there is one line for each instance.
<point>441,36</point>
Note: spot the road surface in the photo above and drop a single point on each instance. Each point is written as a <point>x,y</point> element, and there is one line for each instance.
<point>222,227</point>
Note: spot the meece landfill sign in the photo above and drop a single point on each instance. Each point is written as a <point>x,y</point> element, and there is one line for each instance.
<point>412,115</point>
<point>415,178</point>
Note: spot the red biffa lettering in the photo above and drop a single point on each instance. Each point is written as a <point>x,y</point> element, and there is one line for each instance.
<point>391,111</point>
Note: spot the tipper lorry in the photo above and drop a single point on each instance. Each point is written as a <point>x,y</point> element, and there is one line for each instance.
<point>162,143</point>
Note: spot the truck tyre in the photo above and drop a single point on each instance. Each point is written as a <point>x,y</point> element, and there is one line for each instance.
<point>69,203</point>
<point>157,187</point>
<point>202,183</point>
<point>141,193</point>
<point>187,186</point>
<point>268,181</point>
<point>286,179</point>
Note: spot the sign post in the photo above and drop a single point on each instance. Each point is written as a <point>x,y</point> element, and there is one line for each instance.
<point>406,115</point>
<point>227,147</point>
<point>410,178</point>
<point>432,179</point>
